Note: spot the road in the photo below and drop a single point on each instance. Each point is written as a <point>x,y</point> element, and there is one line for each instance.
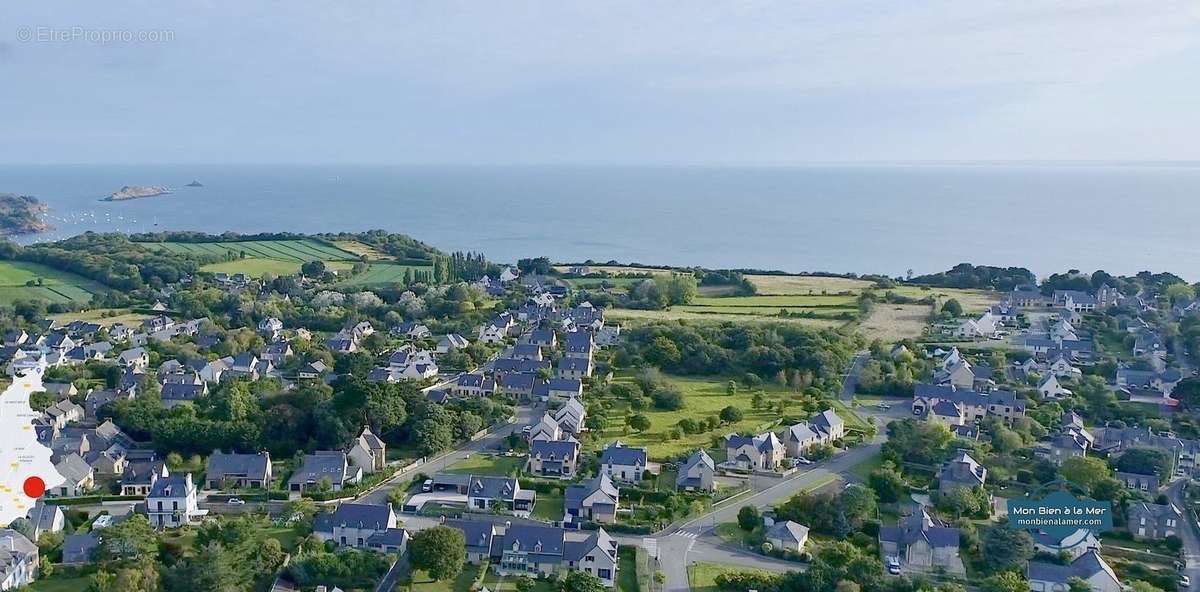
<point>850,382</point>
<point>1188,534</point>
<point>379,494</point>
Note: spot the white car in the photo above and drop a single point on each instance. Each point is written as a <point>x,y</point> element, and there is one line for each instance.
<point>1185,582</point>
<point>803,461</point>
<point>893,566</point>
<point>233,501</point>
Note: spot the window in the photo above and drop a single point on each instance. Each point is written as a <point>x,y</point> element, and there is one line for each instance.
<point>604,574</point>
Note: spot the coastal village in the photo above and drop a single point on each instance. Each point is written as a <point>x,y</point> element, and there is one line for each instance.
<point>465,425</point>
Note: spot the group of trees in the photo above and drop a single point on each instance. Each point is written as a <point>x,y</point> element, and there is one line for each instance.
<point>965,275</point>
<point>801,354</point>
<point>837,514</point>
<point>661,291</point>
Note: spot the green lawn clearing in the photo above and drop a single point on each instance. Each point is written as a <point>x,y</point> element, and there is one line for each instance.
<point>420,581</point>
<point>255,267</point>
<point>102,316</point>
<point>703,576</point>
<point>56,583</point>
<point>498,583</point>
<point>300,250</point>
<point>384,273</point>
<point>56,286</point>
<point>548,508</point>
<point>633,316</point>
<point>480,464</point>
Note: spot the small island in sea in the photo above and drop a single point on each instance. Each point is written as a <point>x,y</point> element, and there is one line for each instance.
<point>21,214</point>
<point>137,192</point>
<point>194,183</point>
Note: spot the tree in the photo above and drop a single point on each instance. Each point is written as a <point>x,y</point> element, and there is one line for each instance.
<point>1138,586</point>
<point>667,397</point>
<point>23,526</point>
<point>578,581</point>
<point>921,442</point>
<point>748,518</point>
<point>1005,547</point>
<point>525,584</point>
<point>757,400</point>
<point>1006,581</point>
<point>953,308</point>
<point>1085,471</point>
<point>313,269</point>
<point>1188,392</point>
<point>440,551</point>
<point>731,414</point>
<point>1145,461</point>
<point>130,539</point>
<point>1078,584</point>
<point>888,483</point>
<point>847,586</point>
<point>731,388</point>
<point>639,422</point>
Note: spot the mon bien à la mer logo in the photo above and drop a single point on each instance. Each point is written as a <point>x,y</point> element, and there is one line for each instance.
<point>1063,517</point>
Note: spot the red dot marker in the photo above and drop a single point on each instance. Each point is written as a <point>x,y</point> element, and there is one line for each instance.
<point>35,487</point>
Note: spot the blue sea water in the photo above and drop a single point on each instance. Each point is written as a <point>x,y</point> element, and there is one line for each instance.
<point>864,219</point>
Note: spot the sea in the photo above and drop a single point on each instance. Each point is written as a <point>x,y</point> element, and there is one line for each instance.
<point>878,218</point>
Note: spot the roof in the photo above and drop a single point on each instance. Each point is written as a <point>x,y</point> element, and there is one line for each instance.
<point>319,465</point>
<point>698,457</point>
<point>365,516</point>
<point>788,531</point>
<point>544,540</point>
<point>478,534</point>
<point>618,454</point>
<point>919,526</point>
<point>173,486</point>
<point>827,419</point>
<point>220,463</point>
<point>1085,566</point>
<point>577,550</point>
<point>554,448</point>
<point>73,468</point>
<point>575,494</point>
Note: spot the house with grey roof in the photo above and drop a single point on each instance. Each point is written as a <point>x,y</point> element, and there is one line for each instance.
<point>478,535</point>
<point>786,535</point>
<point>368,451</point>
<point>238,471</point>
<point>763,452</point>
<point>1138,482</point>
<point>624,464</point>
<point>596,500</point>
<point>1153,521</point>
<point>577,368</point>
<point>1074,544</point>
<point>697,473</point>
<point>362,526</point>
<point>141,472</point>
<point>553,458</point>
<point>45,518</point>
<point>18,560</point>
<point>172,503</point>
<point>570,417</point>
<point>328,467</point>
<point>542,551</point>
<point>78,477</point>
<point>920,542</point>
<point>961,471</point>
<point>1089,567</point>
<point>77,549</point>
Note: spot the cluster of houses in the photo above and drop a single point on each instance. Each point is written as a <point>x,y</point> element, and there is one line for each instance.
<point>767,452</point>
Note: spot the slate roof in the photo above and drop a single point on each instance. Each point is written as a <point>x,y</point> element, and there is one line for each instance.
<point>917,527</point>
<point>618,454</point>
<point>253,466</point>
<point>364,516</point>
<point>1085,566</point>
<point>788,531</point>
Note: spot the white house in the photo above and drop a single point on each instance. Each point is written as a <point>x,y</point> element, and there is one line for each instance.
<point>172,502</point>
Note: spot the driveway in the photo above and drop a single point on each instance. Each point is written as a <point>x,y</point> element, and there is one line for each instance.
<point>1188,534</point>
<point>418,501</point>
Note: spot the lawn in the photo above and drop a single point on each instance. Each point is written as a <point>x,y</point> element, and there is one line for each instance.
<point>972,301</point>
<point>480,464</point>
<point>420,582</point>
<point>56,285</point>
<point>383,273</point>
<point>863,469</point>
<point>647,316</point>
<point>255,267</point>
<point>893,322</point>
<point>627,578</point>
<point>769,285</point>
<point>61,584</point>
<point>548,508</point>
<point>285,250</point>
<point>102,316</point>
<point>498,583</point>
<point>361,249</point>
<point>703,397</point>
<point>777,302</point>
<point>703,576</point>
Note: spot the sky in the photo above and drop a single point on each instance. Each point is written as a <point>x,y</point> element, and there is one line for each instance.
<point>597,82</point>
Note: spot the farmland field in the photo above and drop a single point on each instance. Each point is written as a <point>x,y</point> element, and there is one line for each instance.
<point>102,316</point>
<point>255,266</point>
<point>284,250</point>
<point>382,273</point>
<point>769,285</point>
<point>361,249</point>
<point>676,314</point>
<point>57,285</point>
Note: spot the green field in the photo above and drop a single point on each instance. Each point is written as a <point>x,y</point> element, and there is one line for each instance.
<point>255,266</point>
<point>703,576</point>
<point>383,273</point>
<point>284,250</point>
<point>780,301</point>
<point>57,286</point>
<point>479,464</point>
<point>634,316</point>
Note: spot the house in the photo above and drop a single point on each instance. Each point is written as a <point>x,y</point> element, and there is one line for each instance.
<point>178,393</point>
<point>504,493</point>
<point>141,473</point>
<point>78,548</point>
<point>787,536</point>
<point>596,500</point>
<point>136,358</point>
<point>324,468</point>
<point>961,471</point>
<point>18,560</point>
<point>495,331</point>
<point>543,338</point>
<point>1074,544</point>
<point>553,458</point>
<point>1163,382</point>
<point>277,352</point>
<point>763,452</point>
<point>64,412</point>
<point>696,473</point>
<point>1139,482</point>
<point>368,451</point>
<point>526,351</point>
<point>578,344</point>
<point>312,370</point>
<point>1051,388</point>
<point>975,405</point>
<point>172,502</point>
<point>362,526</point>
<point>341,345</point>
<point>542,551</point>
<point>1153,521</point>
<point>238,471</point>
<point>547,428</point>
<point>577,368</point>
<point>479,536</point>
<point>570,417</point>
<point>451,342</point>
<point>473,385</point>
<point>78,477</point>
<point>270,328</point>
<point>623,463</point>
<point>1066,444</point>
<point>829,425</point>
<point>45,519</point>
<point>1089,567</point>
<point>918,541</point>
<point>1062,368</point>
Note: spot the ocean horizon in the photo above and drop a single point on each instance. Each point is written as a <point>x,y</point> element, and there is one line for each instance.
<point>839,218</point>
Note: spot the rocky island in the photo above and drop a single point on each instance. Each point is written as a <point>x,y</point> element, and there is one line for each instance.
<point>194,183</point>
<point>21,214</point>
<point>137,192</point>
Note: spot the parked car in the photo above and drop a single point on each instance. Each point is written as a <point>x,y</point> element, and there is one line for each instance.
<point>427,486</point>
<point>233,501</point>
<point>893,565</point>
<point>1185,582</point>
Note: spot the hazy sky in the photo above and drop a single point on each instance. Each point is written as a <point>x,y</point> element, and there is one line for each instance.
<point>598,81</point>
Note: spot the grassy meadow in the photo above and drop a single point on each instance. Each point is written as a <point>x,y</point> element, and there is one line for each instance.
<point>57,286</point>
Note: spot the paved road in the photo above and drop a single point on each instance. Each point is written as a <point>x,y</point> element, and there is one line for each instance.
<point>1188,534</point>
<point>850,382</point>
<point>379,495</point>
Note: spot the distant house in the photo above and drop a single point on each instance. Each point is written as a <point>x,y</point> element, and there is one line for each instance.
<point>547,428</point>
<point>1089,567</point>
<point>270,328</point>
<point>412,331</point>
<point>312,370</point>
<point>329,467</point>
<point>277,352</point>
<point>362,526</point>
<point>136,358</point>
<point>79,548</point>
<point>543,338</point>
<point>543,551</point>
<point>368,451</point>
<point>526,351</point>
<point>1139,482</point>
<point>78,477</point>
<point>1074,544</point>
<point>571,416</point>
<point>696,473</point>
<point>1051,388</point>
<point>45,519</point>
<point>141,473</point>
<point>479,535</point>
<point>961,471</point>
<point>918,541</point>
<point>787,536</point>
<point>239,471</point>
<point>451,342</point>
<point>1154,521</point>
<point>18,560</point>
<point>623,463</point>
<point>577,368</point>
<point>823,428</point>
<point>596,500</point>
<point>473,385</point>
<point>172,502</point>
